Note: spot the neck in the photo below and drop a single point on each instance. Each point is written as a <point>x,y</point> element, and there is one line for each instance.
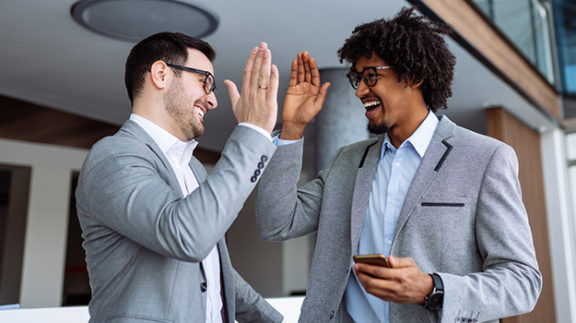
<point>399,134</point>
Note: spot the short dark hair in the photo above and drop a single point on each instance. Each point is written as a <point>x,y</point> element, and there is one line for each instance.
<point>169,47</point>
<point>414,48</point>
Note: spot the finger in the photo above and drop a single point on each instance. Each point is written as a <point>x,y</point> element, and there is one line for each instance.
<point>301,73</point>
<point>375,286</point>
<point>322,95</point>
<point>259,65</point>
<point>247,76</point>
<point>294,73</point>
<point>372,270</point>
<point>315,73</point>
<point>397,262</point>
<point>307,72</point>
<point>232,92</point>
<point>274,81</point>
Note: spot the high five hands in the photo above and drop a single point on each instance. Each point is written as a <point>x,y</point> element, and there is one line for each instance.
<point>304,97</point>
<point>257,102</point>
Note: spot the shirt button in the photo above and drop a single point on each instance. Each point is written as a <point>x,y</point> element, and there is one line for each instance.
<point>203,287</point>
<point>396,164</point>
<point>388,241</point>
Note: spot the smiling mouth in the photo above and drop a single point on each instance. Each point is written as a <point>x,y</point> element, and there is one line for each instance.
<point>201,112</point>
<point>371,104</point>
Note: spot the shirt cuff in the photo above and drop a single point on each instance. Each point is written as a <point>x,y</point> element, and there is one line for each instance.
<point>255,127</point>
<point>281,142</point>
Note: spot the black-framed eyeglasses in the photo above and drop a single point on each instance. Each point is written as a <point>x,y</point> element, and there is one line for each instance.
<point>209,83</point>
<point>369,75</point>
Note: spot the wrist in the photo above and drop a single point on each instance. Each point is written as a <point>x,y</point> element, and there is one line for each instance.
<point>292,131</point>
<point>435,299</point>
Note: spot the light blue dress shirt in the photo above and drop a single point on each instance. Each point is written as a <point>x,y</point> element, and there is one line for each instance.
<point>393,177</point>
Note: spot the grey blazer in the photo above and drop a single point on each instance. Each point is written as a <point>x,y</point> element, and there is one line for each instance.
<point>463,218</point>
<point>144,243</point>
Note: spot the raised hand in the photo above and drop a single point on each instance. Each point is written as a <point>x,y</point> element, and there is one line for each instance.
<point>304,97</point>
<point>257,103</point>
<point>402,282</point>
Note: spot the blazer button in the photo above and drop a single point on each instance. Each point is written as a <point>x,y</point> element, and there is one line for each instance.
<point>260,165</point>
<point>332,315</point>
<point>203,287</point>
<point>264,158</point>
<point>253,179</point>
<point>257,172</point>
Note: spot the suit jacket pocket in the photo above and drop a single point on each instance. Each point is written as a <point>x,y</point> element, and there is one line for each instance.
<point>137,319</point>
<point>442,204</point>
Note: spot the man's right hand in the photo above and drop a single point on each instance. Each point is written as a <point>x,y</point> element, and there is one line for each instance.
<point>257,103</point>
<point>304,97</point>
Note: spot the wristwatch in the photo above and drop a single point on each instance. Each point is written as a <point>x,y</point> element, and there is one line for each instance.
<point>435,299</point>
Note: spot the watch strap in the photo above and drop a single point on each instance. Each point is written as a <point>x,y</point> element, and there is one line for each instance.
<point>435,299</point>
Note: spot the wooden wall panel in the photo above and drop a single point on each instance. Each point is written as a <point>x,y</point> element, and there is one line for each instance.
<point>34,123</point>
<point>526,141</point>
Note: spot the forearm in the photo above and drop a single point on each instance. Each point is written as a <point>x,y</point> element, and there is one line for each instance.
<point>141,205</point>
<point>283,211</point>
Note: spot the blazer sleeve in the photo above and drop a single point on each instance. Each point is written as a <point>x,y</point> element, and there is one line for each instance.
<point>510,282</point>
<point>250,306</point>
<point>125,193</point>
<point>284,211</point>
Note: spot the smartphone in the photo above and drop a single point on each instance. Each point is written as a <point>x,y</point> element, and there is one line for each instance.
<point>372,259</point>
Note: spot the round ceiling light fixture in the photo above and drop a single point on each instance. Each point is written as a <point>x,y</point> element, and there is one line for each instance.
<point>133,20</point>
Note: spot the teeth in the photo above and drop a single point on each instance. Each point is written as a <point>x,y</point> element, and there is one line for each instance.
<point>371,104</point>
<point>200,112</point>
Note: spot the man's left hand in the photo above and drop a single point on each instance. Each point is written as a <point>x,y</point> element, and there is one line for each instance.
<point>402,282</point>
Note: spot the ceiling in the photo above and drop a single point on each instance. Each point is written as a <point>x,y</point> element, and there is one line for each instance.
<point>46,58</point>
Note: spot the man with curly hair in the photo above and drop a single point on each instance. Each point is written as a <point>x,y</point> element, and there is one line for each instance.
<point>440,202</point>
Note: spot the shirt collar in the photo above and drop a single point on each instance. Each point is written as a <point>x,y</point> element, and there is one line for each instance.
<point>167,142</point>
<point>420,139</point>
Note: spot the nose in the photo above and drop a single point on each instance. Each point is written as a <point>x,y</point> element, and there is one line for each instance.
<point>362,89</point>
<point>211,100</point>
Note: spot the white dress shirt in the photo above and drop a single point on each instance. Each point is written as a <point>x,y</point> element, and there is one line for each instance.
<point>179,154</point>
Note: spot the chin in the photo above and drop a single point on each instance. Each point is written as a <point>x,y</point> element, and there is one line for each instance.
<point>378,128</point>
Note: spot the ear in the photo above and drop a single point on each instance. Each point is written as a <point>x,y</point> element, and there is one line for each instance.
<point>159,74</point>
<point>416,85</point>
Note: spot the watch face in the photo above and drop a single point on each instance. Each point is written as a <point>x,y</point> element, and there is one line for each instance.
<point>434,301</point>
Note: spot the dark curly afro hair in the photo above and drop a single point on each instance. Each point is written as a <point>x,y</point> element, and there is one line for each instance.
<point>415,49</point>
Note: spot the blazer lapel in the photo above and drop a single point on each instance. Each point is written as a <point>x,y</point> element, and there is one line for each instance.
<point>134,129</point>
<point>362,186</point>
<point>198,169</point>
<point>437,152</point>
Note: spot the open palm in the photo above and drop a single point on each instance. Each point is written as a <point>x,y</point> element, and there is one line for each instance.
<point>305,95</point>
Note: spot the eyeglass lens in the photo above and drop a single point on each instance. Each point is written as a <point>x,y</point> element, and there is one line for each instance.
<point>369,76</point>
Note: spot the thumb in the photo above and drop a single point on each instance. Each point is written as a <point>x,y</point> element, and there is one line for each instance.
<point>232,92</point>
<point>322,94</point>
<point>397,262</point>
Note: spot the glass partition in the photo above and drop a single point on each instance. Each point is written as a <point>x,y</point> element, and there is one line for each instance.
<point>526,23</point>
<point>565,19</point>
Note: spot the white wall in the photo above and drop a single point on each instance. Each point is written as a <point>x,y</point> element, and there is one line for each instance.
<point>562,231</point>
<point>47,223</point>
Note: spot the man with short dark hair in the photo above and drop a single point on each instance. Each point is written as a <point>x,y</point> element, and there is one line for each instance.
<point>442,203</point>
<point>153,220</point>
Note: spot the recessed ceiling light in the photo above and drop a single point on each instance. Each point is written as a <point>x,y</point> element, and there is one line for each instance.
<point>134,20</point>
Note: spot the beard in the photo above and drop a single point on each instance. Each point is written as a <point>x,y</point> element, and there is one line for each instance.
<point>180,109</point>
<point>378,128</point>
